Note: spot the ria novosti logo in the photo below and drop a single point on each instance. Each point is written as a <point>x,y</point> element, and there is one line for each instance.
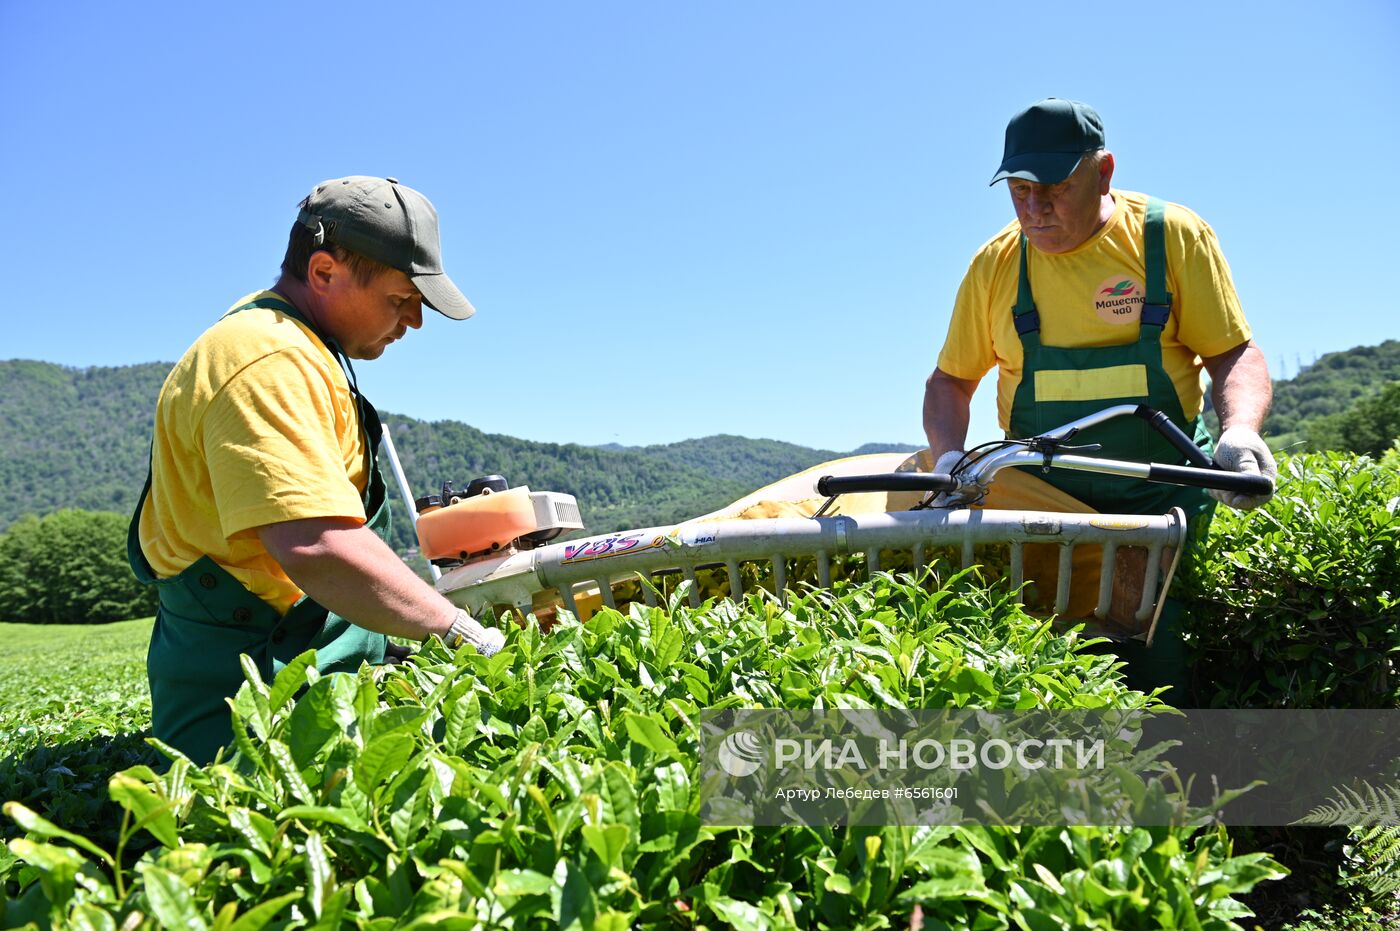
<point>741,753</point>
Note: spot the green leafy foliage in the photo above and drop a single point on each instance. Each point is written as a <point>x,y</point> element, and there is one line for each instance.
<point>1374,851</point>
<point>74,709</point>
<point>69,567</point>
<point>1297,604</point>
<point>1330,386</point>
<point>555,785</point>
<point>1370,426</point>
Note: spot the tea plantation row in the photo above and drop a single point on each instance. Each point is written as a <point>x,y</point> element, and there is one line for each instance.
<point>556,784</point>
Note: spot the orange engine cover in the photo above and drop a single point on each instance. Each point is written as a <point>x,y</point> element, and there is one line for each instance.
<point>476,524</point>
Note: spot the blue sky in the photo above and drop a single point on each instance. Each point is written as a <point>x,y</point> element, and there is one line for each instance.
<point>675,219</point>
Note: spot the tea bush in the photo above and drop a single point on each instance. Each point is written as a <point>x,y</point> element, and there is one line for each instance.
<point>74,708</point>
<point>1297,604</point>
<point>556,785</point>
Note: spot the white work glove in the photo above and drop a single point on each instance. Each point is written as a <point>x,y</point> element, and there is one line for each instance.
<point>1243,450</point>
<point>945,465</point>
<point>948,460</point>
<point>487,640</point>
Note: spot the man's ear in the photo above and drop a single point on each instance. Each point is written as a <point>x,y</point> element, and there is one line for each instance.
<point>321,271</point>
<point>1106,173</point>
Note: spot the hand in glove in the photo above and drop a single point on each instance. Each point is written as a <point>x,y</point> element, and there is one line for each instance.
<point>949,459</point>
<point>487,640</point>
<point>1242,450</point>
<point>945,465</point>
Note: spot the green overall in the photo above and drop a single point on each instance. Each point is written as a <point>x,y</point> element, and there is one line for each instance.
<point>1040,403</point>
<point>207,618</point>
<point>1046,398</point>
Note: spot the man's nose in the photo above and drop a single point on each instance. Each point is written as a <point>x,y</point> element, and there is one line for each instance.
<point>415,316</point>
<point>1037,202</point>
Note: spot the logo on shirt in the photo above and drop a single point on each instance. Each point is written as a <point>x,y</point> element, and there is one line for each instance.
<point>1118,300</point>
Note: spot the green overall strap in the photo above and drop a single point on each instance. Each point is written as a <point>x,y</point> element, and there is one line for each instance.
<point>1059,384</point>
<point>1024,314</point>
<point>1157,307</point>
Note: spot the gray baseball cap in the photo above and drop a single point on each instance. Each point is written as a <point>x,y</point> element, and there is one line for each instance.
<point>1047,139</point>
<point>391,223</point>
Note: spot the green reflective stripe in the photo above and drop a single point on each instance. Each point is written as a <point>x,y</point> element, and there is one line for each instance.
<point>1154,247</point>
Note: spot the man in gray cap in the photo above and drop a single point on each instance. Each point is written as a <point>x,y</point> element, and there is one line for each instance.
<point>263,516</point>
<point>1092,297</point>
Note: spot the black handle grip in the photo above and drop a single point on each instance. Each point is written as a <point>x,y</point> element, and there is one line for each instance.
<point>889,481</point>
<point>1183,443</point>
<point>1246,483</point>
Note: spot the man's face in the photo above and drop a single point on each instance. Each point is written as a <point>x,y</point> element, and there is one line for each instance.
<point>366,318</point>
<point>1059,217</point>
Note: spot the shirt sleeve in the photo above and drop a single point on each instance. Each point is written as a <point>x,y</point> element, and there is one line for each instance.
<point>1211,319</point>
<point>274,439</point>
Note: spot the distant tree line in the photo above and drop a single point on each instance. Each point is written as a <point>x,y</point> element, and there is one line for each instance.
<point>69,567</point>
<point>1309,408</point>
<point>1370,426</point>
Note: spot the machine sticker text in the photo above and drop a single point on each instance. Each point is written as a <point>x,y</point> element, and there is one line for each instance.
<point>601,548</point>
<point>1118,524</point>
<point>698,536</point>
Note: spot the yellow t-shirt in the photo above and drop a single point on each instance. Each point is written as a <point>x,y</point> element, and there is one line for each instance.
<point>1093,296</point>
<point>255,425</point>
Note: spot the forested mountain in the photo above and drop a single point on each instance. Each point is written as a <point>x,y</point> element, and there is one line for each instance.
<point>79,438</point>
<point>615,489</point>
<point>74,438</point>
<point>754,463</point>
<point>1330,386</point>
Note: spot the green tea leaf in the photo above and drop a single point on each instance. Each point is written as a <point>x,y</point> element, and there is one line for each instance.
<point>34,823</point>
<point>291,678</point>
<point>515,882</point>
<point>262,914</point>
<point>382,758</point>
<point>609,842</point>
<point>648,731</point>
<point>171,901</point>
<point>321,715</point>
<point>149,810</point>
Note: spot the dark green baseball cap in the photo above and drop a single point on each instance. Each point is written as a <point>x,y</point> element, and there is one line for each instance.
<point>391,223</point>
<point>1047,139</point>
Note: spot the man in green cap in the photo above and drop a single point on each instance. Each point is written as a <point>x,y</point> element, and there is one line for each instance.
<point>1096,296</point>
<point>262,520</point>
